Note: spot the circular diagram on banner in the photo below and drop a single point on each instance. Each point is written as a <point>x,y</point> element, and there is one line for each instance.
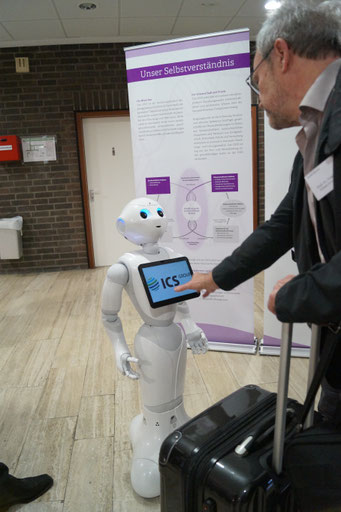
<point>191,210</point>
<point>232,208</point>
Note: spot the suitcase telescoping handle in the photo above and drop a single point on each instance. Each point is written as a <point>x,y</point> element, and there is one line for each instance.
<point>283,384</point>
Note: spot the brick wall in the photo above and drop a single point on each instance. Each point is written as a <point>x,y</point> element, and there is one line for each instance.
<point>261,181</point>
<point>260,134</point>
<point>62,80</point>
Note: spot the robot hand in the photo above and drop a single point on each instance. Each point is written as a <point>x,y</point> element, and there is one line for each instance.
<point>197,341</point>
<point>125,367</point>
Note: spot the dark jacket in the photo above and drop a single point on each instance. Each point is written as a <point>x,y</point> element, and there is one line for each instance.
<point>315,294</point>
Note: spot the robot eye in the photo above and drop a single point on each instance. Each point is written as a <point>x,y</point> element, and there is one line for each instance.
<point>144,213</point>
<point>160,212</point>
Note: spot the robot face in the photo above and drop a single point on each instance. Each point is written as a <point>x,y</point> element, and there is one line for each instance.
<point>142,221</point>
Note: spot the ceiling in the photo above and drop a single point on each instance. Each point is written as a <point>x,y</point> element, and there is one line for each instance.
<point>42,22</point>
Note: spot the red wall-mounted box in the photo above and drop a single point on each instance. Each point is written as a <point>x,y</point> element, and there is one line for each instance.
<point>10,148</point>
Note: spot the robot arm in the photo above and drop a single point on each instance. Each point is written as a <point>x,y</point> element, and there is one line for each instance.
<point>195,337</point>
<point>117,278</point>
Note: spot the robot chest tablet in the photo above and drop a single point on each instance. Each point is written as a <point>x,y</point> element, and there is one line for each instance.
<point>138,295</point>
<point>159,278</point>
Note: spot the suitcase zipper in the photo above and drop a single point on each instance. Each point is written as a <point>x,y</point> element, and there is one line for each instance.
<point>199,463</point>
<point>201,473</point>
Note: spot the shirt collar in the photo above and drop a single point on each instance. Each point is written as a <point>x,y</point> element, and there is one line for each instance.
<point>317,95</point>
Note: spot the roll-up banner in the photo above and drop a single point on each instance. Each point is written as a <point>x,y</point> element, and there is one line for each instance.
<point>190,114</point>
<point>280,149</point>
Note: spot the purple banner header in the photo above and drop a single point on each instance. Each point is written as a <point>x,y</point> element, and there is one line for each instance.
<point>185,44</point>
<point>225,182</point>
<point>191,67</point>
<point>158,185</point>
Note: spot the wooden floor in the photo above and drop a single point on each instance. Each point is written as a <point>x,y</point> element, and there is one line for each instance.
<point>65,410</point>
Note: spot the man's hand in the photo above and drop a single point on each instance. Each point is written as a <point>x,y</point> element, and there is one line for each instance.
<point>199,282</point>
<point>278,286</point>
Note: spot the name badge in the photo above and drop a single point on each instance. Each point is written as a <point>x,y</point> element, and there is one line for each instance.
<point>320,179</point>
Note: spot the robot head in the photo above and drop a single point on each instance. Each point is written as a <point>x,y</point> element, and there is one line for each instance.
<point>142,221</point>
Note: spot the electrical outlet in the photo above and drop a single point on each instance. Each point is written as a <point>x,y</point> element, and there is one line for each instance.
<point>22,65</point>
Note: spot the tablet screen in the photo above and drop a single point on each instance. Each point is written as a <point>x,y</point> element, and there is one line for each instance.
<point>160,277</point>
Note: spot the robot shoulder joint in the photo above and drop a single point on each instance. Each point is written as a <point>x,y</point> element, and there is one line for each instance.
<point>118,273</point>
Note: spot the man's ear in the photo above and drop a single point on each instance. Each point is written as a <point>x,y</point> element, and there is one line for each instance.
<point>283,53</point>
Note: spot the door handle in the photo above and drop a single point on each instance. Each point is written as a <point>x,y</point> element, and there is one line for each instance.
<point>92,194</point>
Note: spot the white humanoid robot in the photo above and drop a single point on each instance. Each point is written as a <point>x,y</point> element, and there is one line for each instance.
<point>160,344</point>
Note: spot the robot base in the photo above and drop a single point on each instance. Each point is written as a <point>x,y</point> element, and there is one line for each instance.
<point>145,478</point>
<point>147,432</point>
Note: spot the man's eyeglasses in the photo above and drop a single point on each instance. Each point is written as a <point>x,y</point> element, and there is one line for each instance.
<point>250,80</point>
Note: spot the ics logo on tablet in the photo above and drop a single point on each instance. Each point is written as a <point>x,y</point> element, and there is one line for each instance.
<point>153,284</point>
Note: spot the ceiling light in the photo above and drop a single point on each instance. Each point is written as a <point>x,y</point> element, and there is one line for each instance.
<point>87,6</point>
<point>272,5</point>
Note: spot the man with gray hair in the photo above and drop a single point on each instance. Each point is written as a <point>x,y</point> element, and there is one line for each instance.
<point>297,75</point>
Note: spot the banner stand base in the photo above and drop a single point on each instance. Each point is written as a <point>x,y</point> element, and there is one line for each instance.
<point>272,350</point>
<point>233,347</point>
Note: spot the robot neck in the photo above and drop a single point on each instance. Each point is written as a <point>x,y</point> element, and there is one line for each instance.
<point>151,248</point>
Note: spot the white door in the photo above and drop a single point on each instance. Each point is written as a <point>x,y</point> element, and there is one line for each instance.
<point>110,175</point>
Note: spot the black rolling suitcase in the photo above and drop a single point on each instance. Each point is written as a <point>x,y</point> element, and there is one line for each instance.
<point>229,457</point>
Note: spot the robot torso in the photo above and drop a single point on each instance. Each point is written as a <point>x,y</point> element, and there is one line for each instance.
<point>161,316</point>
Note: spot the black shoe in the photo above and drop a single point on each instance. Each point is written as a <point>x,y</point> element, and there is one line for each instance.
<point>21,490</point>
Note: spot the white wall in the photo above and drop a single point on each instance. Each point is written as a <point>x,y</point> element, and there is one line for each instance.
<point>279,152</point>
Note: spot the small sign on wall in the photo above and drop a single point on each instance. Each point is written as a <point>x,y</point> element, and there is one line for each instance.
<point>39,149</point>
